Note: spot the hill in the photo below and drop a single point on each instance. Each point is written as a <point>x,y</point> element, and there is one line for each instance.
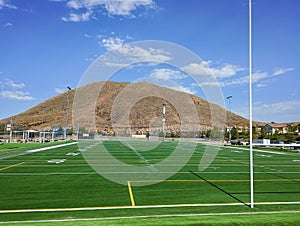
<point>144,113</point>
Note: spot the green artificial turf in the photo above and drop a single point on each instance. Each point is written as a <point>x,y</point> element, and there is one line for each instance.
<point>29,181</point>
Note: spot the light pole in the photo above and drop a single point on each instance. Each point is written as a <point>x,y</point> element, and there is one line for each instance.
<point>163,121</point>
<point>43,132</point>
<point>67,112</point>
<point>9,128</point>
<point>229,118</point>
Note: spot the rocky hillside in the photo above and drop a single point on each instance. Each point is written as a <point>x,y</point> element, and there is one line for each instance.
<point>144,101</point>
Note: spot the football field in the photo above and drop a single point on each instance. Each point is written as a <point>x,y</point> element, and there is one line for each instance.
<point>64,183</point>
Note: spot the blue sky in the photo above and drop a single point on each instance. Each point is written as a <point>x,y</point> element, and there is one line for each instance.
<point>47,45</point>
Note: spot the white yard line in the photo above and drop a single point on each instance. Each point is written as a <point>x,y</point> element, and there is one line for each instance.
<point>154,216</point>
<point>49,148</point>
<point>256,150</point>
<point>37,150</point>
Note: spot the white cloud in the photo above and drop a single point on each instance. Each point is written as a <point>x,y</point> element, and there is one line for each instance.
<point>60,90</point>
<point>257,77</point>
<point>12,84</point>
<point>9,89</point>
<point>75,4</point>
<point>204,68</point>
<point>112,43</point>
<point>140,54</point>
<point>125,7</point>
<point>168,74</point>
<point>167,78</point>
<point>282,71</point>
<point>7,24</point>
<point>181,88</point>
<point>211,84</point>
<point>16,95</point>
<point>227,74</point>
<point>109,7</point>
<point>73,17</point>
<point>261,85</point>
<point>7,4</point>
<point>285,111</point>
<point>125,54</point>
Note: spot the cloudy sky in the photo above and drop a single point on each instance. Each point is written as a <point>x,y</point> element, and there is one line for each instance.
<point>47,45</point>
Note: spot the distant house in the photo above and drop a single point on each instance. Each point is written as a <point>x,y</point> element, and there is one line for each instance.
<point>271,128</point>
<point>258,126</point>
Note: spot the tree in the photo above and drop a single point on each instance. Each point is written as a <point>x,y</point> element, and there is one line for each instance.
<point>208,132</point>
<point>254,133</point>
<point>226,133</point>
<point>173,135</point>
<point>234,133</point>
<point>243,134</point>
<point>263,133</point>
<point>275,136</point>
<point>292,128</point>
<point>217,134</point>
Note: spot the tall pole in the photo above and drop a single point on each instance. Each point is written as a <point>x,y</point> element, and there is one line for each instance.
<point>10,131</point>
<point>250,106</point>
<point>43,131</point>
<point>229,123</point>
<point>67,112</point>
<point>163,121</point>
<point>78,128</point>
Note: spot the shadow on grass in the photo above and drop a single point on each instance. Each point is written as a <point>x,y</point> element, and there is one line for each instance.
<point>220,189</point>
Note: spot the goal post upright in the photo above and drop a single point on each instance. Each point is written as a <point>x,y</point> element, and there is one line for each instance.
<point>250,107</point>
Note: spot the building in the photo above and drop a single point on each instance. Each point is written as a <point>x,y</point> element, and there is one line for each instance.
<point>271,128</point>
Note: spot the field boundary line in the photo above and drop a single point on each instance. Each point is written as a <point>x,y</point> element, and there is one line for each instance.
<point>201,181</point>
<point>7,167</point>
<point>130,194</point>
<point>143,207</point>
<point>154,216</point>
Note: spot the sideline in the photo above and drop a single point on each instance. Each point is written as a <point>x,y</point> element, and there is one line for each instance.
<point>154,216</point>
<point>143,207</point>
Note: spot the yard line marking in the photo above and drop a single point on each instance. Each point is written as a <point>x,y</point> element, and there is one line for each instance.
<point>143,207</point>
<point>7,167</point>
<point>50,147</point>
<point>153,216</point>
<point>37,150</point>
<point>130,193</point>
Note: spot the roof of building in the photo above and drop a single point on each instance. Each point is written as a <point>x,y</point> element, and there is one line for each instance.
<point>277,125</point>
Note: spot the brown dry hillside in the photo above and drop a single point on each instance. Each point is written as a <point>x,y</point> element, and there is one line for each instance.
<point>146,112</point>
